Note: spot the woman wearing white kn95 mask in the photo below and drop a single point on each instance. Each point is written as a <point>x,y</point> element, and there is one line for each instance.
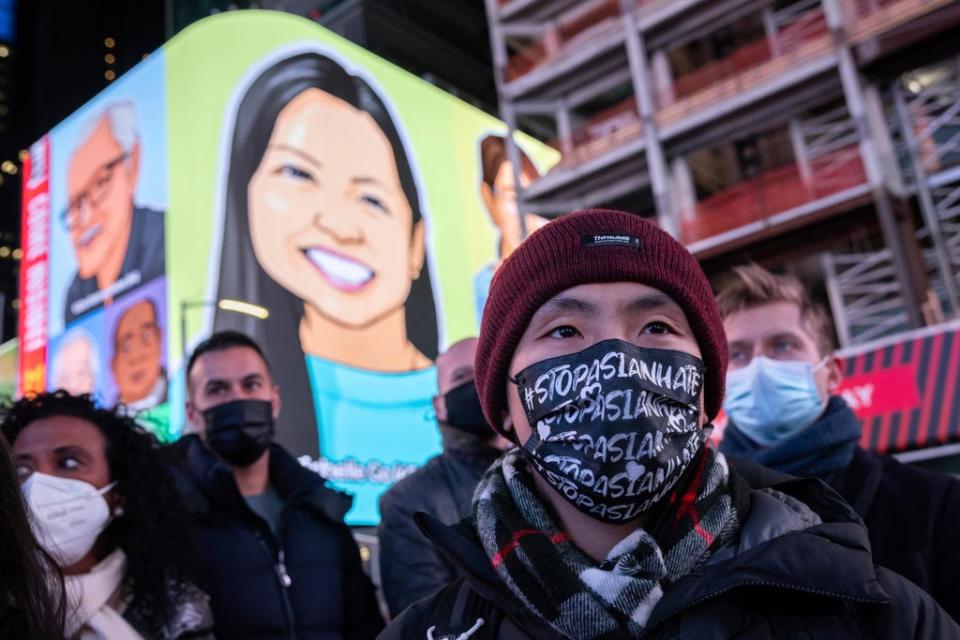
<point>104,508</point>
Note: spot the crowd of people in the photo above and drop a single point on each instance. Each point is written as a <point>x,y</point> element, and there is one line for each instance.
<point>578,494</point>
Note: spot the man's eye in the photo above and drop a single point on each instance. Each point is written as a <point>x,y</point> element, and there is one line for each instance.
<point>252,386</point>
<point>69,463</point>
<point>566,331</point>
<point>783,346</point>
<point>656,328</point>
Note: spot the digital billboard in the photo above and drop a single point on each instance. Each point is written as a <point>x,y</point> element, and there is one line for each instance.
<point>259,158</point>
<point>9,356</point>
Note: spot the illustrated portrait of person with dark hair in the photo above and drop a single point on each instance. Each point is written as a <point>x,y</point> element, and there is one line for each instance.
<point>323,225</point>
<point>138,358</point>
<point>117,243</point>
<point>498,190</point>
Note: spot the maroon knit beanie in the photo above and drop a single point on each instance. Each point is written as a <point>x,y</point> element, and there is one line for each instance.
<point>591,246</point>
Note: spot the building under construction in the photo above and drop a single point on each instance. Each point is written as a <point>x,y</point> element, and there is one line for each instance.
<point>819,135</point>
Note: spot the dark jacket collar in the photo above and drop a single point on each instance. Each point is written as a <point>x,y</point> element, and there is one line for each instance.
<point>295,484</point>
<point>461,444</point>
<point>861,480</point>
<point>802,561</point>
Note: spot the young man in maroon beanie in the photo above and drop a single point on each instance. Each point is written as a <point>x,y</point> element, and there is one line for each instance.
<point>602,356</point>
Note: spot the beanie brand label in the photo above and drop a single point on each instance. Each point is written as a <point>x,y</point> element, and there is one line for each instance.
<point>590,240</point>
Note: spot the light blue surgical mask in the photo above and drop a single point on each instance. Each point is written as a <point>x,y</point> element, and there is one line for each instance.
<point>770,400</point>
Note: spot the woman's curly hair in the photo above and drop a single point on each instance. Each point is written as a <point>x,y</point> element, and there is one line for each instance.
<point>154,531</point>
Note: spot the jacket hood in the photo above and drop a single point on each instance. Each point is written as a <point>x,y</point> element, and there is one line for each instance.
<point>214,482</point>
<point>770,551</point>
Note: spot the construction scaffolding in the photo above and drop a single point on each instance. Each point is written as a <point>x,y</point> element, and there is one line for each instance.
<point>735,122</point>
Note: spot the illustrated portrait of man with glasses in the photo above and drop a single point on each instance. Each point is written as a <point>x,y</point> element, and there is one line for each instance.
<point>138,357</point>
<point>118,244</point>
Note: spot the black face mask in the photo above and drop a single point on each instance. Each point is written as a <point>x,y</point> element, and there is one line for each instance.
<point>614,426</point>
<point>464,412</point>
<point>239,431</point>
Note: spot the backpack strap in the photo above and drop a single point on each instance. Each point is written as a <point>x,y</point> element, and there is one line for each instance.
<point>459,613</point>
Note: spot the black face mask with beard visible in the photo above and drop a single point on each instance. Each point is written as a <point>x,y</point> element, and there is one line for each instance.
<point>240,431</point>
<point>464,412</point>
<point>613,426</point>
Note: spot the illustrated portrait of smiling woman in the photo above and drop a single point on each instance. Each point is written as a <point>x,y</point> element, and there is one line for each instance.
<point>323,226</point>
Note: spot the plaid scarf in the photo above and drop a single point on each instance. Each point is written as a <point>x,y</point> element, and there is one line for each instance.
<point>613,599</point>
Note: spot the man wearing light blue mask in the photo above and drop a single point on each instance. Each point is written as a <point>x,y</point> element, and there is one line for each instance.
<point>784,413</point>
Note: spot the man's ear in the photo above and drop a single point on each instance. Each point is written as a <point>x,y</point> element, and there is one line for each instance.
<point>275,401</point>
<point>834,373</point>
<point>507,425</point>
<point>195,419</point>
<point>510,433</point>
<point>439,408</point>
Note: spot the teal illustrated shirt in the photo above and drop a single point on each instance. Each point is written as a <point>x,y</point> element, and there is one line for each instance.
<point>481,287</point>
<point>374,428</point>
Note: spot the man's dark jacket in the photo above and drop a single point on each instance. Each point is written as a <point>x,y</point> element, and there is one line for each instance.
<point>307,585</point>
<point>411,568</point>
<point>768,582</point>
<point>912,515</point>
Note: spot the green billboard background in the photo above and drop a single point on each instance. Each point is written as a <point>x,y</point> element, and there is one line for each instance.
<point>208,68</point>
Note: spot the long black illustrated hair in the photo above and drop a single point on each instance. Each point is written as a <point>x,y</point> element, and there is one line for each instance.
<point>242,277</point>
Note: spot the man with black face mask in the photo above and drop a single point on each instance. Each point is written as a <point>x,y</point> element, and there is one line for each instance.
<point>411,568</point>
<point>602,356</point>
<point>278,559</point>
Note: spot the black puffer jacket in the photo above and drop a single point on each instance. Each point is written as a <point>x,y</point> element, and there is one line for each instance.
<point>308,585</point>
<point>914,520</point>
<point>810,584</point>
<point>913,515</point>
<point>411,567</point>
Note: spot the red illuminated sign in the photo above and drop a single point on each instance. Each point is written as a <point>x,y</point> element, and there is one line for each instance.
<point>34,268</point>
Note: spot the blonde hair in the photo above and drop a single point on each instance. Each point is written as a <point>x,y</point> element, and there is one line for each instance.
<point>751,285</point>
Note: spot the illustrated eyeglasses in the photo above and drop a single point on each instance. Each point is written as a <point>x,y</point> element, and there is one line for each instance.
<point>78,210</point>
<point>145,337</point>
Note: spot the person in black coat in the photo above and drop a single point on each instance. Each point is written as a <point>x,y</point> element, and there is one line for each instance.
<point>784,414</point>
<point>770,583</point>
<point>602,355</point>
<point>278,559</point>
<point>411,568</point>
